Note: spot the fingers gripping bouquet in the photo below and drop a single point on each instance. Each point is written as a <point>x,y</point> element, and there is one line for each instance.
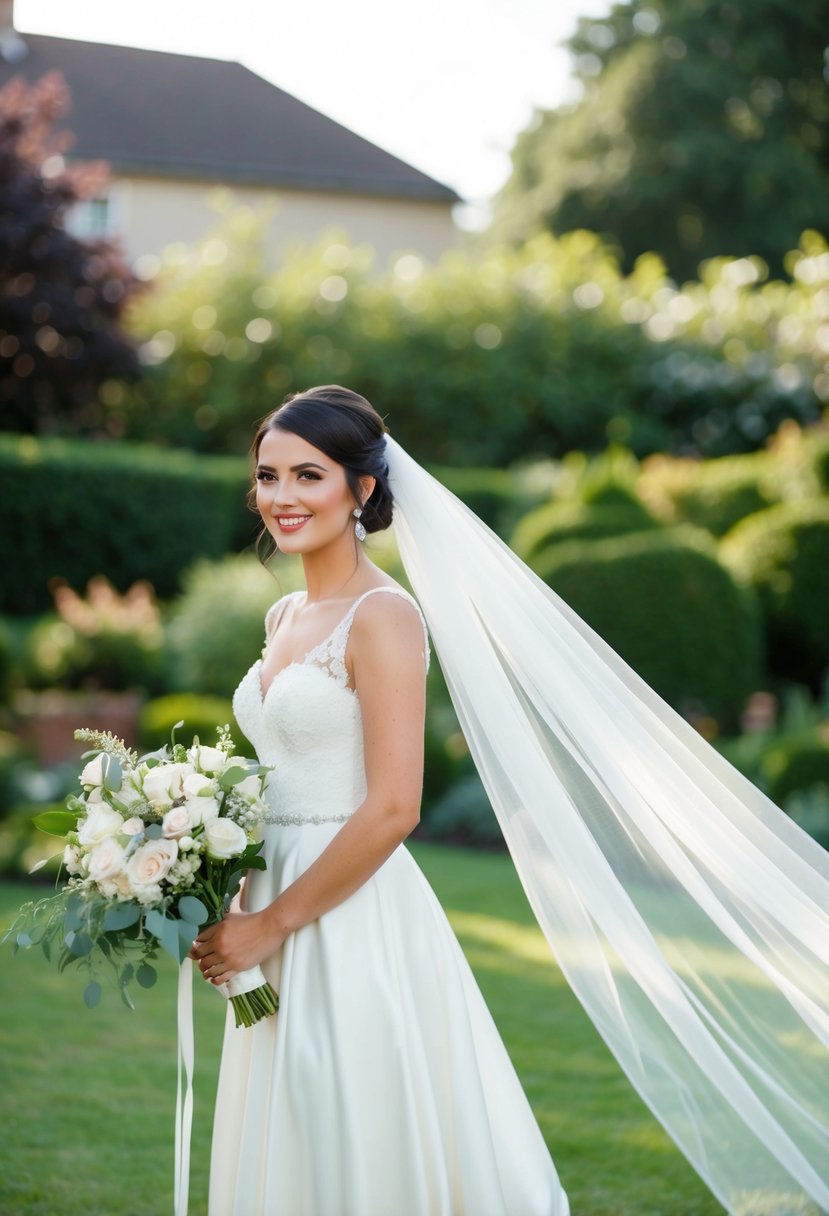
<point>156,847</point>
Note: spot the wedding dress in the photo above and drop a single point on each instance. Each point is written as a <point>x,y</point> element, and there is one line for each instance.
<point>382,1087</point>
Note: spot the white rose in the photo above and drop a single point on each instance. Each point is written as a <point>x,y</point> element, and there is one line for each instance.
<point>72,859</point>
<point>133,826</point>
<point>185,843</point>
<point>203,810</point>
<point>150,863</point>
<point>93,772</point>
<point>117,887</point>
<point>197,784</point>
<point>224,838</point>
<point>99,823</point>
<point>249,788</point>
<point>106,860</point>
<point>178,821</point>
<point>208,759</point>
<point>163,784</point>
<point>95,796</point>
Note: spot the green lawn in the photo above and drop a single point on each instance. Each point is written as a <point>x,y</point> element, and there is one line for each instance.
<point>87,1098</point>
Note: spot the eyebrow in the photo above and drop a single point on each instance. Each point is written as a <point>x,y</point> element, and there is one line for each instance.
<point>295,468</point>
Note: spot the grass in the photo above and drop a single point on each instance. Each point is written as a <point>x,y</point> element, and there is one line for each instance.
<point>87,1097</point>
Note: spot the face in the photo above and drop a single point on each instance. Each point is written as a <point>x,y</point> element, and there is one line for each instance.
<point>302,495</point>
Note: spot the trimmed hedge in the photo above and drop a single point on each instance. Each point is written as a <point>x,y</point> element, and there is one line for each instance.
<point>783,555</point>
<point>795,765</point>
<point>557,522</point>
<point>665,604</point>
<point>74,509</point>
<point>713,494</point>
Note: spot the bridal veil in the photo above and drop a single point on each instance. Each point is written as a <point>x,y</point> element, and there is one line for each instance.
<point>688,913</point>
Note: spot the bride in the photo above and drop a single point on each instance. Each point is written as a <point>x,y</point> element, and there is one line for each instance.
<point>382,1087</point>
<point>688,913</point>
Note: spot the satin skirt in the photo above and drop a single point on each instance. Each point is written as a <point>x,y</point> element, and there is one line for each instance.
<point>382,1086</point>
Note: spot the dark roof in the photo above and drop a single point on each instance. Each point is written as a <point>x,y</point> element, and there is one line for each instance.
<point>180,116</point>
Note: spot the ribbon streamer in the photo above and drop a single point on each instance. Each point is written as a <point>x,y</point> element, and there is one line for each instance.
<point>184,1102</point>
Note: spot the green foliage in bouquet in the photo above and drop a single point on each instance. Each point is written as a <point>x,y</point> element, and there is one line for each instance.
<point>156,847</point>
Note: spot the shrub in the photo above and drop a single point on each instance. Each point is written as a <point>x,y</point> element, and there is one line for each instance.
<point>201,716</point>
<point>665,604</point>
<point>22,845</point>
<point>464,814</point>
<point>11,755</point>
<point>73,509</point>
<point>104,641</point>
<point>795,765</point>
<point>557,522</point>
<point>783,555</point>
<point>810,810</point>
<point>217,627</point>
<point>713,494</point>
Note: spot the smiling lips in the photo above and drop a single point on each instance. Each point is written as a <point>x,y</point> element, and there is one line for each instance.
<point>290,523</point>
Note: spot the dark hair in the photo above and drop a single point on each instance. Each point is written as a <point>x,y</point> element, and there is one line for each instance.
<point>348,429</point>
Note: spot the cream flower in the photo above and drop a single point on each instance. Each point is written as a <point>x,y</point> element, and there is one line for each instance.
<point>106,860</point>
<point>224,839</point>
<point>101,821</point>
<point>150,863</point>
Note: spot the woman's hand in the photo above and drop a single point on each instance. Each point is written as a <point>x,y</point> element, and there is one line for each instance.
<point>241,940</point>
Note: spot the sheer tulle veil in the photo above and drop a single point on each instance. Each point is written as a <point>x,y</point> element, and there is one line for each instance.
<point>688,913</point>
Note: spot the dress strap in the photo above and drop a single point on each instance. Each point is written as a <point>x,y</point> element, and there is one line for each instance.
<point>340,637</point>
<point>274,615</point>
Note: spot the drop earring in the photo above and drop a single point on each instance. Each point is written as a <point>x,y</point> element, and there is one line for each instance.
<point>359,530</point>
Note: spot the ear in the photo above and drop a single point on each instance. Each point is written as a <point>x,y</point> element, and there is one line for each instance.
<point>367,485</point>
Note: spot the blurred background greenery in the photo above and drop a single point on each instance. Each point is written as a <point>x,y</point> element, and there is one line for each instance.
<point>626,376</point>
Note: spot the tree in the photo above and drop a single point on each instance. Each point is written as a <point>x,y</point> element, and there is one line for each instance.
<point>61,298</point>
<point>703,130</point>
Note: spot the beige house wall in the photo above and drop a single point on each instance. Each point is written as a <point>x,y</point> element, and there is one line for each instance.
<point>152,213</point>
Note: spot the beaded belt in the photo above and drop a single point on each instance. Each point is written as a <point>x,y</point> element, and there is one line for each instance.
<point>298,820</point>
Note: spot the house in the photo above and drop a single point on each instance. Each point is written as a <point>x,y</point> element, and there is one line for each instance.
<point>175,127</point>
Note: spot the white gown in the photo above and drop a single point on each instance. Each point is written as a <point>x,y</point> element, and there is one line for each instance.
<point>382,1087</point>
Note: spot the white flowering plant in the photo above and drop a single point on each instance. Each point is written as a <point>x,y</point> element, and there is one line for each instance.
<point>155,848</point>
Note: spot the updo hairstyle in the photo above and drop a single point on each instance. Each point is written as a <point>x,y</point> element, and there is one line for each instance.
<point>348,429</point>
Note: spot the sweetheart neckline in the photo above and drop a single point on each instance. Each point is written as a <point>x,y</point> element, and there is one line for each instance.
<point>263,696</point>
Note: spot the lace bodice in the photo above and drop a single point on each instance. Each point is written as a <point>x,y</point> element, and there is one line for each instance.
<point>308,725</point>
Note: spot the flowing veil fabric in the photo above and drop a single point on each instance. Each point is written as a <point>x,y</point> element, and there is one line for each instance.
<point>688,913</point>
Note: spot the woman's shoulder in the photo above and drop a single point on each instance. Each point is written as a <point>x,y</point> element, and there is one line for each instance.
<point>390,620</point>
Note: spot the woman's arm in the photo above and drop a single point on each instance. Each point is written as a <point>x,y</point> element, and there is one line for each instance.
<point>386,647</point>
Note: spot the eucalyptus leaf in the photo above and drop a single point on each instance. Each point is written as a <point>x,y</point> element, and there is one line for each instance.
<point>24,941</point>
<point>121,916</point>
<point>127,974</point>
<point>146,975</point>
<point>112,772</point>
<point>127,999</point>
<point>186,937</point>
<point>46,947</point>
<point>192,910</point>
<point>92,994</point>
<point>232,776</point>
<point>81,944</point>
<point>164,929</point>
<point>153,831</point>
<point>56,823</point>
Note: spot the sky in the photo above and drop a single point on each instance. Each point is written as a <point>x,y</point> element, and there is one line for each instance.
<point>446,85</point>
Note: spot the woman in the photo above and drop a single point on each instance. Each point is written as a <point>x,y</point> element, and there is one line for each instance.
<point>382,1087</point>
<point>688,913</point>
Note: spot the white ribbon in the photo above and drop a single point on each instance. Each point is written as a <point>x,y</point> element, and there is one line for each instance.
<point>242,982</point>
<point>184,1105</point>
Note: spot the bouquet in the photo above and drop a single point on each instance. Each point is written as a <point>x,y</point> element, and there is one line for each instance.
<point>155,848</point>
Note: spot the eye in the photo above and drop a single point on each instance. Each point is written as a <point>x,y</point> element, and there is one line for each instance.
<point>308,473</point>
<point>261,475</point>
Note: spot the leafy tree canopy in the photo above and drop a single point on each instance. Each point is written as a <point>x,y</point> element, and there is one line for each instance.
<point>703,130</point>
<point>60,297</point>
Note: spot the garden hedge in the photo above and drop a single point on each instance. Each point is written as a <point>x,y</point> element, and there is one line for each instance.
<point>783,555</point>
<point>556,522</point>
<point>666,605</point>
<point>713,494</point>
<point>74,509</point>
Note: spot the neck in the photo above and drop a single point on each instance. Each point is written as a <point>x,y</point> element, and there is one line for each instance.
<point>329,574</point>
